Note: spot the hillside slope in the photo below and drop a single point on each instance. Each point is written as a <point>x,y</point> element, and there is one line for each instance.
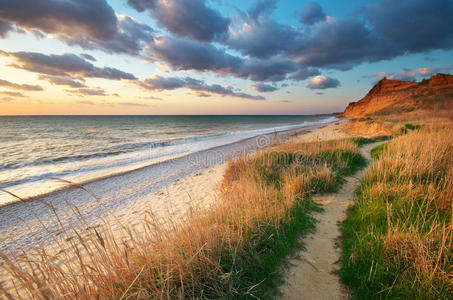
<point>395,96</point>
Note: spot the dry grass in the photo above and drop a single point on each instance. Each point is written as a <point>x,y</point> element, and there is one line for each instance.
<point>395,124</point>
<point>398,237</point>
<point>229,251</point>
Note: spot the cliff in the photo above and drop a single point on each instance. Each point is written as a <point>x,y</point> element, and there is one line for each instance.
<point>395,96</point>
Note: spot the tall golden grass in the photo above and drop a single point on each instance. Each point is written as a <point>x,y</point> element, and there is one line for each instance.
<point>398,237</point>
<point>228,251</point>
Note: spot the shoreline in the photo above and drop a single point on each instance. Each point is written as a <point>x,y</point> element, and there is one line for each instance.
<point>286,133</point>
<point>126,194</point>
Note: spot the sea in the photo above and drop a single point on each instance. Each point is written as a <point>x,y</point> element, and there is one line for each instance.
<point>35,150</point>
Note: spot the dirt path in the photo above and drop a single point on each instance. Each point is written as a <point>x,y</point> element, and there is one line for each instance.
<point>312,276</point>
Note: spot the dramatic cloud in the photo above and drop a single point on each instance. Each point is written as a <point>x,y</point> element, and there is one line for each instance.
<point>262,38</point>
<point>263,88</point>
<point>312,13</point>
<point>130,38</point>
<point>191,19</point>
<point>23,87</point>
<point>250,45</point>
<point>182,54</point>
<point>413,25</point>
<point>67,81</point>
<point>158,83</point>
<point>373,33</point>
<point>255,34</point>
<point>66,65</point>
<point>91,24</point>
<point>93,18</point>
<point>321,82</point>
<point>339,44</point>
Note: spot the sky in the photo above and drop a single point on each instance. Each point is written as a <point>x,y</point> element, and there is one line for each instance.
<point>120,57</point>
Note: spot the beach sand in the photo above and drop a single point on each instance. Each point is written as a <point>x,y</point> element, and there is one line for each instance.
<point>168,191</point>
<point>168,188</point>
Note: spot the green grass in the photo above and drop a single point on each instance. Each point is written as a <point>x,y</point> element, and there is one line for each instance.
<point>260,261</point>
<point>377,151</point>
<point>361,141</point>
<point>397,238</point>
<point>412,127</point>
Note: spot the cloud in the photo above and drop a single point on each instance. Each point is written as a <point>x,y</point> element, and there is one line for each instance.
<point>85,102</point>
<point>88,92</point>
<point>412,25</point>
<point>369,34</point>
<point>304,73</point>
<point>90,24</point>
<point>5,28</point>
<point>158,83</point>
<point>12,94</point>
<point>23,87</point>
<point>93,18</point>
<point>262,37</point>
<point>130,38</point>
<point>273,69</point>
<point>151,98</point>
<point>261,87</point>
<point>6,99</point>
<point>261,8</point>
<point>192,19</point>
<point>66,65</point>
<point>67,81</point>
<point>268,50</point>
<point>409,74</point>
<point>403,75</point>
<point>183,54</point>
<point>88,56</point>
<point>432,71</point>
<point>312,13</point>
<point>339,44</point>
<point>133,104</point>
<point>322,82</point>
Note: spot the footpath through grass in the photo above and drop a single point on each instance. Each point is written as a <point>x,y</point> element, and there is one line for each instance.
<point>232,251</point>
<point>397,238</point>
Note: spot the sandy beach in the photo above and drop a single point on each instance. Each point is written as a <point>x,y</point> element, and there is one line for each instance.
<point>168,191</point>
<point>165,189</point>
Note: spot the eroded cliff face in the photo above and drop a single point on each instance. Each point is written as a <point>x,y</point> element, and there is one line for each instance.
<point>394,96</point>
